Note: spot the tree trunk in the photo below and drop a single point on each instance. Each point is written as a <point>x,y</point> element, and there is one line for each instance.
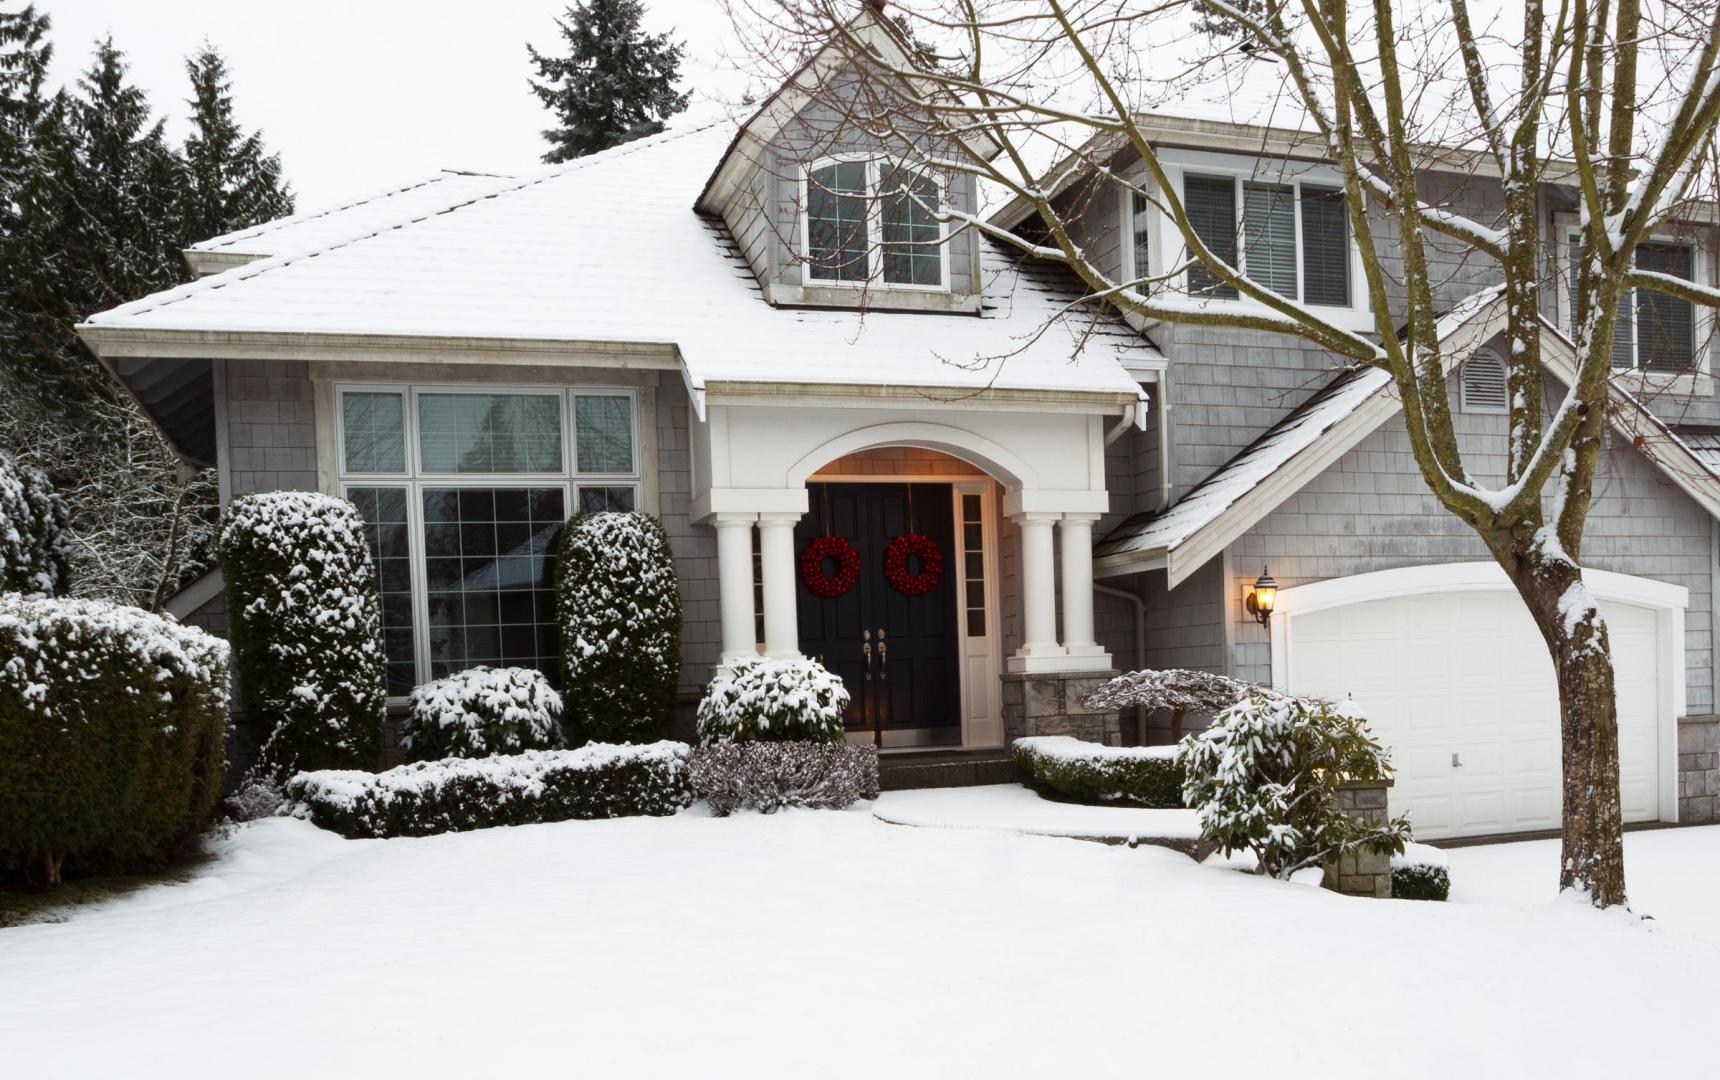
<point>1592,860</point>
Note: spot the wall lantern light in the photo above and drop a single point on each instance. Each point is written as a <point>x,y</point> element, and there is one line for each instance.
<point>1262,598</point>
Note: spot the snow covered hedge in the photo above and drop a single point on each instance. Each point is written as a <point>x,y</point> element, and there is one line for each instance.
<point>112,723</point>
<point>598,780</point>
<point>306,628</point>
<point>1265,774</point>
<point>620,611</point>
<point>767,776</point>
<point>483,711</point>
<point>35,542</point>
<point>1058,765</point>
<point>773,701</point>
<point>1421,872</point>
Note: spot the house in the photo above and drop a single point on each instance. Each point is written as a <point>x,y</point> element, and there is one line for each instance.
<point>721,325</point>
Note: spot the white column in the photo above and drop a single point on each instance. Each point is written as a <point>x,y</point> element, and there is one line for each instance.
<point>776,552</point>
<point>1038,592</point>
<point>1078,587</point>
<point>735,585</point>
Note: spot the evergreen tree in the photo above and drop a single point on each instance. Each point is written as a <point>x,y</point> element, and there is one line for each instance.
<point>616,84</point>
<point>231,182</point>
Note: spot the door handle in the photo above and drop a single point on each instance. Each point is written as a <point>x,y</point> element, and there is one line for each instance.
<point>883,669</point>
<point>866,651</point>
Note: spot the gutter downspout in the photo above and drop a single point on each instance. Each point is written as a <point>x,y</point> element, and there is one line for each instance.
<point>1164,388</point>
<point>1140,648</point>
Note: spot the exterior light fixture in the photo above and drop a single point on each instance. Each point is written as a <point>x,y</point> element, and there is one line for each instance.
<point>1262,598</point>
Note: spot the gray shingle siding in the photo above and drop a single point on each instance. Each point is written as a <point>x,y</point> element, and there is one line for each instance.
<point>270,414</point>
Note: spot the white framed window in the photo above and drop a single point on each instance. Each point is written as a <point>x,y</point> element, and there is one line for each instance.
<point>1137,234</point>
<point>1291,236</point>
<point>464,491</point>
<point>872,222</point>
<point>1654,332</point>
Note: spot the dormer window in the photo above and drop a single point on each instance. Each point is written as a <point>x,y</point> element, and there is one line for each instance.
<point>871,222</point>
<point>1292,238</point>
<point>1654,332</point>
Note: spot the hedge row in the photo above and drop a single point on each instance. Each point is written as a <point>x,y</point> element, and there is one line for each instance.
<point>767,776</point>
<point>598,780</point>
<point>1061,766</point>
<point>112,723</point>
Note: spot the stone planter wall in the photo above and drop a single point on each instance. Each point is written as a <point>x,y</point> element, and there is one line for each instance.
<point>1050,704</point>
<point>1363,873</point>
<point>1698,769</point>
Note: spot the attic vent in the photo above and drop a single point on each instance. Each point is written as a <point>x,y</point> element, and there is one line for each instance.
<point>1484,384</point>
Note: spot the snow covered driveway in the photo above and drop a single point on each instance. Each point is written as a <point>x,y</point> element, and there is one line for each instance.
<point>825,944</point>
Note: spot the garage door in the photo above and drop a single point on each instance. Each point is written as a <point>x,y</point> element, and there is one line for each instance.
<point>1460,687</point>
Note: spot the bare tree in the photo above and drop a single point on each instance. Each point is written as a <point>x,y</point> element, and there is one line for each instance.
<point>1613,101</point>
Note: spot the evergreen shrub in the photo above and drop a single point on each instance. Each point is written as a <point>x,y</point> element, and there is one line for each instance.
<point>483,711</point>
<point>760,700</point>
<point>598,780</point>
<point>306,628</point>
<point>619,605</point>
<point>1063,767</point>
<point>112,724</point>
<point>35,541</point>
<point>1421,873</point>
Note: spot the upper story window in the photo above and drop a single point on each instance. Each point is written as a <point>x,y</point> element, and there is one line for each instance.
<point>1292,238</point>
<point>873,222</point>
<point>1140,235</point>
<point>1654,332</point>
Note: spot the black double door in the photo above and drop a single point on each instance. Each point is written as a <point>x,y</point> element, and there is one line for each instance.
<point>897,654</point>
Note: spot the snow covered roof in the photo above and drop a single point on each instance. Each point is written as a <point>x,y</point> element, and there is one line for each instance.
<point>345,221</point>
<point>608,249</point>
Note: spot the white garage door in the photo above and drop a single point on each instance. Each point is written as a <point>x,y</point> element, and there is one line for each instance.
<point>1460,687</point>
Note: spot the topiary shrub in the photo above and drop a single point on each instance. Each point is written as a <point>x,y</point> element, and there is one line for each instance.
<point>775,701</point>
<point>1421,873</point>
<point>483,711</point>
<point>620,611</point>
<point>306,628</point>
<point>112,722</point>
<point>767,776</point>
<point>35,541</point>
<point>428,797</point>
<point>1265,774</point>
<point>1065,767</point>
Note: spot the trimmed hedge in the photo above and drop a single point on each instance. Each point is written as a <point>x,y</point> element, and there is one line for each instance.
<point>620,611</point>
<point>767,776</point>
<point>459,794</point>
<point>483,711</point>
<point>1421,873</point>
<point>112,723</point>
<point>306,628</point>
<point>35,538</point>
<point>1061,766</point>
<point>759,700</point>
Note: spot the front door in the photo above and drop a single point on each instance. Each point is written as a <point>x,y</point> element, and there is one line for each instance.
<point>896,653</point>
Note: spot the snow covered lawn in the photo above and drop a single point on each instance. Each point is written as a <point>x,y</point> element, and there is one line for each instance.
<point>832,944</point>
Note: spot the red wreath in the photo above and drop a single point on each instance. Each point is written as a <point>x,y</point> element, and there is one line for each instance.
<point>812,573</point>
<point>896,557</point>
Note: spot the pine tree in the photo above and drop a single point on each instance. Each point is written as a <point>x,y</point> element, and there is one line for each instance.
<point>231,183</point>
<point>616,84</point>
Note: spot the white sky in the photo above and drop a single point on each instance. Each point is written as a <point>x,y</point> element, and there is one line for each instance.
<point>356,95</point>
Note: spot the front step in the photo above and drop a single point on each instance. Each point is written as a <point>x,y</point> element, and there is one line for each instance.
<point>946,768</point>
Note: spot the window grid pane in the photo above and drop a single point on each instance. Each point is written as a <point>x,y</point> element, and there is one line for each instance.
<point>1210,202</point>
<point>1325,246</point>
<point>836,222</point>
<point>373,428</point>
<point>386,531</point>
<point>488,555</point>
<point>973,554</point>
<point>912,255</point>
<point>1269,236</point>
<point>1140,232</point>
<point>601,499</point>
<point>489,433</point>
<point>603,430</point>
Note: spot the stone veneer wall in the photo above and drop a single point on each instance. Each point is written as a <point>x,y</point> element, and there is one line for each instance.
<point>1698,769</point>
<point>1050,704</point>
<point>1363,873</point>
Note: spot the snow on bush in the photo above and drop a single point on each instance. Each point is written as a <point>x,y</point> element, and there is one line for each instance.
<point>1264,777</point>
<point>759,700</point>
<point>483,711</point>
<point>1421,872</point>
<point>112,724</point>
<point>1059,765</point>
<point>767,776</point>
<point>598,780</point>
<point>620,611</point>
<point>306,628</point>
<point>35,541</point>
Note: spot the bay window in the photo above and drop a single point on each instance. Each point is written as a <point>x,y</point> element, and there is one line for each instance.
<point>871,222</point>
<point>464,493</point>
